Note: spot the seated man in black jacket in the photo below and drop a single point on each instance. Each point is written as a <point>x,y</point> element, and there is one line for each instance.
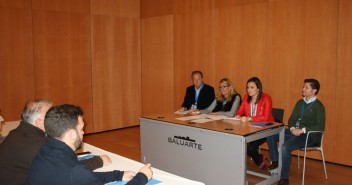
<point>22,144</point>
<point>198,96</point>
<point>57,164</point>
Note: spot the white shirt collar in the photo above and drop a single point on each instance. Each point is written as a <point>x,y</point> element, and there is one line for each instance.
<point>199,87</point>
<point>310,100</point>
<point>197,91</point>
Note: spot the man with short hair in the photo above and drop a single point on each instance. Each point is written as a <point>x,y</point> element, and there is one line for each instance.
<point>56,162</point>
<point>308,115</point>
<point>198,96</point>
<point>22,144</point>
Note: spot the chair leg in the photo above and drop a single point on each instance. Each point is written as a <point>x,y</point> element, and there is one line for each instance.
<point>322,156</point>
<point>298,159</point>
<point>304,164</point>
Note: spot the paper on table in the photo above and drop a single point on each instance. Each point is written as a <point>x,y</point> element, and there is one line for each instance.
<point>216,117</point>
<point>201,120</point>
<point>191,117</point>
<point>181,112</point>
<point>232,118</point>
<point>259,124</point>
<point>151,182</point>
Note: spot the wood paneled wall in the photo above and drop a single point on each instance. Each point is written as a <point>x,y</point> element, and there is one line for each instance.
<point>83,52</point>
<point>280,41</point>
<point>341,128</point>
<point>113,57</point>
<point>116,55</point>
<point>194,49</point>
<point>16,57</point>
<point>61,36</point>
<point>157,65</point>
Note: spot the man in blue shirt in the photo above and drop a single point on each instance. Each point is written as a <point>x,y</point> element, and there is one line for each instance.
<point>198,96</point>
<point>56,162</point>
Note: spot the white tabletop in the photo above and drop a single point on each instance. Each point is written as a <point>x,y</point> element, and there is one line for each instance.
<point>118,162</point>
<point>125,164</point>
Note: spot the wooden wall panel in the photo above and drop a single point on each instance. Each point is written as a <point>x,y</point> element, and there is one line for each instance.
<point>16,57</point>
<point>281,42</point>
<point>20,4</point>
<point>287,52</point>
<point>194,49</point>
<point>78,6</point>
<point>157,65</point>
<point>229,3</point>
<point>303,45</point>
<point>61,36</point>
<point>88,52</point>
<point>153,8</point>
<point>242,44</point>
<point>191,6</point>
<point>116,54</point>
<point>120,8</point>
<point>341,142</point>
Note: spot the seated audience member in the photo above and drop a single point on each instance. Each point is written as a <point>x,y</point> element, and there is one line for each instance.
<point>56,163</point>
<point>226,102</point>
<point>308,115</point>
<point>23,143</point>
<point>256,106</point>
<point>199,95</point>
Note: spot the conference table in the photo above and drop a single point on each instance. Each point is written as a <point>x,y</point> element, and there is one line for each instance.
<point>210,151</point>
<point>125,164</point>
<point>118,162</point>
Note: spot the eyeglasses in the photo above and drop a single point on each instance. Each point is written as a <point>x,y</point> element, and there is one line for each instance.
<point>222,87</point>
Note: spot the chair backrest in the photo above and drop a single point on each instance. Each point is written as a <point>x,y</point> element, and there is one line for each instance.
<point>278,114</point>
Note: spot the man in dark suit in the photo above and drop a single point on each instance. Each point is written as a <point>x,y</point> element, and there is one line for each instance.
<point>23,143</point>
<point>56,163</point>
<point>199,95</point>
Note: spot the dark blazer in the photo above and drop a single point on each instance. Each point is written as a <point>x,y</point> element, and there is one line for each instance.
<point>206,97</point>
<point>228,105</point>
<point>18,151</point>
<point>57,164</point>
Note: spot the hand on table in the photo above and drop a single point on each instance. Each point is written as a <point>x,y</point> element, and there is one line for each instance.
<point>244,119</point>
<point>147,170</point>
<point>106,160</point>
<point>182,109</point>
<point>194,111</point>
<point>128,175</point>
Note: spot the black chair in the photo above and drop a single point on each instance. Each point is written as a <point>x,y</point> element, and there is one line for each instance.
<point>278,114</point>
